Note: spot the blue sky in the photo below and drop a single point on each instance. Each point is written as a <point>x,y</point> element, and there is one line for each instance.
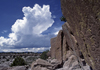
<point>28,25</point>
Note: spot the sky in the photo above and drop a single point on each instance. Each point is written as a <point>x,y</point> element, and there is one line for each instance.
<point>28,25</point>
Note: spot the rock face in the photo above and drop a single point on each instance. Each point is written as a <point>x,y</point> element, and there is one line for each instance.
<point>66,45</point>
<point>53,48</point>
<point>57,47</point>
<point>83,17</point>
<point>81,33</point>
<point>65,48</point>
<point>59,44</point>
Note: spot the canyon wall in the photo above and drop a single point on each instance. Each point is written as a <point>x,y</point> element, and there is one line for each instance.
<point>80,34</point>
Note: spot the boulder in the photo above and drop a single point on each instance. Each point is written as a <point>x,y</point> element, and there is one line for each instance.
<point>73,64</point>
<point>70,61</point>
<point>69,53</point>
<point>40,63</point>
<point>55,63</point>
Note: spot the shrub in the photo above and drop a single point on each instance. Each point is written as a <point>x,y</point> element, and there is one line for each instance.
<point>63,19</point>
<point>44,55</point>
<point>18,62</point>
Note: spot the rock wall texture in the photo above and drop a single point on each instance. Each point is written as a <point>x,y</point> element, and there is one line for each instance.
<point>56,46</point>
<point>82,31</point>
<point>59,42</point>
<point>53,44</point>
<point>80,34</point>
<point>65,45</point>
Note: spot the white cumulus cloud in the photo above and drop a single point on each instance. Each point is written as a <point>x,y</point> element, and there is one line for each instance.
<point>27,32</point>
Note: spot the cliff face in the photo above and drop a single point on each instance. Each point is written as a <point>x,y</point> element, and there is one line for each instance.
<point>64,46</point>
<point>81,32</point>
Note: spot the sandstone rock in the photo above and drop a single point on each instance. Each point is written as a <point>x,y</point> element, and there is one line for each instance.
<point>71,41</point>
<point>59,45</point>
<point>53,47</point>
<point>69,53</point>
<point>83,18</point>
<point>67,35</point>
<point>65,48</point>
<point>42,62</point>
<point>55,61</point>
<point>39,63</point>
<point>70,38</point>
<point>73,64</point>
<point>80,35</point>
<point>70,61</point>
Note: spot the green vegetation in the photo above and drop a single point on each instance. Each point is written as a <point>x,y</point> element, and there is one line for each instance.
<point>44,55</point>
<point>18,62</point>
<point>63,19</point>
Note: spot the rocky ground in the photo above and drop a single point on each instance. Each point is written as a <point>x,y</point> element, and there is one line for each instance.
<point>5,62</point>
<point>71,63</point>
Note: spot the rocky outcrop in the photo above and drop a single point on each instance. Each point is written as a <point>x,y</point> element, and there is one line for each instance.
<point>68,46</point>
<point>83,17</point>
<point>80,32</point>
<point>77,45</point>
<point>53,64</point>
<point>73,64</point>
<point>41,64</point>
